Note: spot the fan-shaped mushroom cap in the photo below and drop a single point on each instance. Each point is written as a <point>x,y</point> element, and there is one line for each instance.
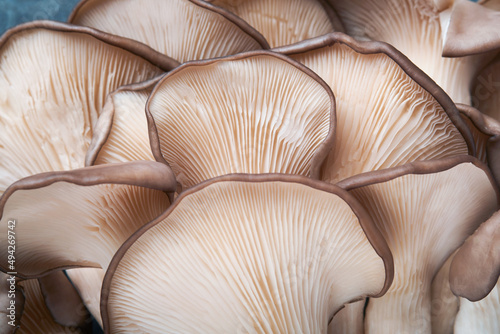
<point>246,253</point>
<point>476,266</point>
<point>88,282</point>
<point>479,317</point>
<point>425,210</point>
<point>388,111</point>
<point>122,128</point>
<point>414,28</point>
<point>54,78</point>
<point>284,22</point>
<point>182,29</point>
<point>81,217</point>
<point>256,112</point>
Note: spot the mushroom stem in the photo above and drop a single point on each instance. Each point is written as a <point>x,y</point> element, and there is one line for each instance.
<point>403,313</point>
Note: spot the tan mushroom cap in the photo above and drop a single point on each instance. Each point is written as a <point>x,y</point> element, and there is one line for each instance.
<point>63,301</point>
<point>425,210</point>
<point>414,28</point>
<point>256,112</point>
<point>476,267</point>
<point>80,217</point>
<point>388,112</point>
<point>479,317</point>
<point>88,283</point>
<point>122,128</point>
<point>284,22</point>
<point>244,253</point>
<point>182,29</point>
<point>54,78</point>
<point>472,28</point>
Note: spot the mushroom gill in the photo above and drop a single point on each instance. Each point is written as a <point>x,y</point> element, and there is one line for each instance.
<point>246,253</point>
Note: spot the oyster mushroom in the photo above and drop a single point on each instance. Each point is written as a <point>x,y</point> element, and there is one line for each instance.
<point>284,22</point>
<point>414,28</point>
<point>421,210</point>
<point>240,253</point>
<point>256,112</point>
<point>54,78</point>
<point>388,111</point>
<point>182,29</point>
<point>79,218</point>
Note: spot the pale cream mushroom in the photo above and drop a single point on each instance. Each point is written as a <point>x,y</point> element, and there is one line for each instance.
<point>54,78</point>
<point>122,129</point>
<point>388,111</point>
<point>284,22</point>
<point>414,27</point>
<point>182,29</point>
<point>79,218</point>
<point>255,112</point>
<point>247,253</point>
<point>425,210</point>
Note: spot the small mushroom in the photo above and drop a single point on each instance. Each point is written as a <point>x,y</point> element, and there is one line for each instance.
<point>245,253</point>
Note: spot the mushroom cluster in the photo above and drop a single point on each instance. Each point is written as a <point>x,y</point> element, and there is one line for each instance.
<point>252,166</point>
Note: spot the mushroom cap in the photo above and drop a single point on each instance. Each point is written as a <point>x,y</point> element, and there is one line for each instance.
<point>182,29</point>
<point>122,128</point>
<point>272,253</point>
<point>425,210</point>
<point>80,217</point>
<point>472,29</point>
<point>475,268</point>
<point>414,27</point>
<point>255,112</point>
<point>54,78</point>
<point>485,89</point>
<point>284,22</point>
<point>36,317</point>
<point>388,111</point>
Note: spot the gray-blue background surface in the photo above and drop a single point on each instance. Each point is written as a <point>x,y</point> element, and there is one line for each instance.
<point>14,12</point>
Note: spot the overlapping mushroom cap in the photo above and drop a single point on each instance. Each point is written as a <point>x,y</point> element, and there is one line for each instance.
<point>256,112</point>
<point>247,253</point>
<point>388,111</point>
<point>54,79</point>
<point>182,29</point>
<point>422,213</point>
